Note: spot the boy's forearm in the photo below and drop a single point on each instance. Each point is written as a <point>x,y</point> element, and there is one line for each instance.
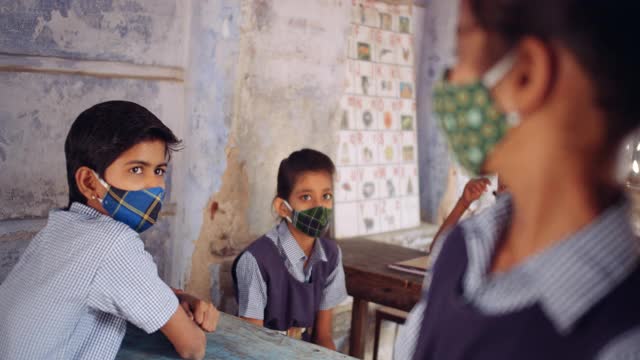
<point>181,295</point>
<point>178,292</point>
<point>185,335</point>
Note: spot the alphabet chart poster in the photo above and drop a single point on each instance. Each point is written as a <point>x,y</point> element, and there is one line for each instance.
<point>376,185</point>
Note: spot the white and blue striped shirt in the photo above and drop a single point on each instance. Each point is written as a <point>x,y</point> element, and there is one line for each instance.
<point>252,290</point>
<point>75,287</point>
<point>567,280</point>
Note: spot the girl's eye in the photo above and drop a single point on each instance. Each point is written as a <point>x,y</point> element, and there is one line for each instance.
<point>161,172</point>
<point>136,170</point>
<point>328,196</point>
<point>306,197</point>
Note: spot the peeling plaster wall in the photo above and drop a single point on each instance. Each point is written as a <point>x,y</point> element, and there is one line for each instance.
<point>256,80</point>
<point>293,68</point>
<point>136,31</point>
<point>210,108</point>
<point>37,113</point>
<point>261,78</point>
<point>437,44</point>
<point>290,74</point>
<point>43,43</point>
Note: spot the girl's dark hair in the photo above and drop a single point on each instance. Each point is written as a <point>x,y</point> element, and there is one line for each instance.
<point>103,132</point>
<point>601,34</point>
<point>297,163</point>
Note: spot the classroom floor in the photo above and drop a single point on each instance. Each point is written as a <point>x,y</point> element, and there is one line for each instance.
<point>342,325</point>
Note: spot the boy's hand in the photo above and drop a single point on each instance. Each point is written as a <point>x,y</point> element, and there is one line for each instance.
<point>202,312</point>
<point>473,190</point>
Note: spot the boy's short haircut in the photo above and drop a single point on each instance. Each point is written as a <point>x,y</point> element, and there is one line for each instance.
<point>103,132</point>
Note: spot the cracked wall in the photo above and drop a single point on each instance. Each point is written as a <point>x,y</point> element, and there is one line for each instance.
<point>243,82</point>
<point>289,78</point>
<point>138,31</point>
<point>57,59</point>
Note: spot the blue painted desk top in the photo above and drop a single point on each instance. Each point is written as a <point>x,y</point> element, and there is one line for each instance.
<point>234,339</point>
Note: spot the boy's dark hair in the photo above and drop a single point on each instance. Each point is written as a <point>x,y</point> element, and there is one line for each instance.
<point>297,163</point>
<point>599,33</point>
<point>103,132</point>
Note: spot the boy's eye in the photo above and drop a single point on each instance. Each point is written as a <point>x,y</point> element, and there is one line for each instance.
<point>160,171</point>
<point>136,170</point>
<point>306,197</point>
<point>328,196</point>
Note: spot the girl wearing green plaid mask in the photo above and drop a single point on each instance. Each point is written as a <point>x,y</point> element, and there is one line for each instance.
<point>305,198</point>
<point>299,303</point>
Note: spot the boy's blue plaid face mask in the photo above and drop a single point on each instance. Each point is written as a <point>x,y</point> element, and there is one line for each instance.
<point>139,209</point>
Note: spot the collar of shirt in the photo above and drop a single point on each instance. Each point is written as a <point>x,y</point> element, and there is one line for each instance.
<point>569,278</point>
<point>292,252</point>
<point>82,209</point>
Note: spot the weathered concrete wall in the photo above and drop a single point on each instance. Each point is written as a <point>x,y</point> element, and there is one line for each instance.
<point>289,78</point>
<point>37,112</point>
<point>133,31</point>
<point>58,58</point>
<point>211,102</point>
<point>293,78</point>
<point>437,45</point>
<point>244,83</point>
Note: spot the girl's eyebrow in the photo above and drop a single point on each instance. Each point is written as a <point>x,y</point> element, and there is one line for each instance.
<point>145,163</point>
<point>311,190</point>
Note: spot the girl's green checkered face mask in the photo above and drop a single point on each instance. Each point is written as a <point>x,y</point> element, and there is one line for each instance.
<point>469,117</point>
<point>313,222</point>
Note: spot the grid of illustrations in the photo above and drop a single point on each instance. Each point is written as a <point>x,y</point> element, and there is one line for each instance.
<point>376,186</point>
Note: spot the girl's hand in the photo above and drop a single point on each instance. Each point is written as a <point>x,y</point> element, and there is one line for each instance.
<point>474,190</point>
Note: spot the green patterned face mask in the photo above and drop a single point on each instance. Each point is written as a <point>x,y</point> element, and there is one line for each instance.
<point>313,222</point>
<point>469,118</point>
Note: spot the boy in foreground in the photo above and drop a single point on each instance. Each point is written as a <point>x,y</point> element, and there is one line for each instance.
<point>86,273</point>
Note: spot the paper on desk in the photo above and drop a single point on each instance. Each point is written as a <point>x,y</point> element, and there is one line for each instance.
<point>418,266</point>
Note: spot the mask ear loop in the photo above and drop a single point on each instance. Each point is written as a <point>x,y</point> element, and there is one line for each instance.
<point>290,209</point>
<point>498,71</point>
<point>102,182</point>
<point>494,75</point>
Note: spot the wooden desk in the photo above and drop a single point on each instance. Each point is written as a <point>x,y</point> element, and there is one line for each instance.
<point>370,280</point>
<point>234,339</point>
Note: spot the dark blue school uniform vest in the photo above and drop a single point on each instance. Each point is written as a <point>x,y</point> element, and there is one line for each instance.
<point>290,303</point>
<point>453,329</point>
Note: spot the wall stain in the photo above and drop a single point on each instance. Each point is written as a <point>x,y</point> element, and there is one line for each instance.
<point>129,29</point>
<point>264,14</point>
<point>3,141</point>
<point>224,235</point>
